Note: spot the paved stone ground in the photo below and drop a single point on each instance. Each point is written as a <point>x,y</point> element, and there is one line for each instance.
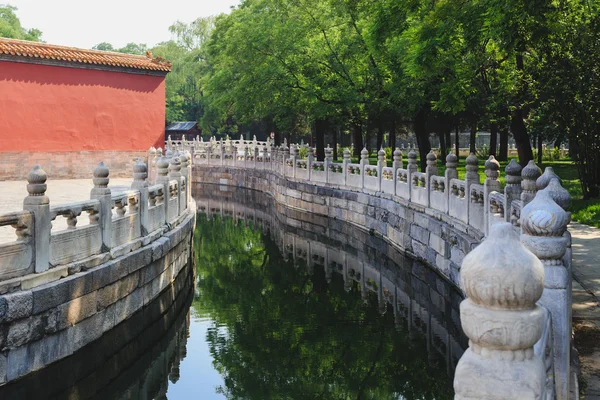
<point>12,194</point>
<point>586,306</point>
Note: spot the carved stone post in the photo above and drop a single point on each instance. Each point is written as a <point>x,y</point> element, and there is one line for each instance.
<point>187,177</point>
<point>311,159</point>
<point>529,174</point>
<point>101,192</point>
<point>364,161</point>
<point>397,163</point>
<point>502,281</point>
<point>490,184</point>
<point>381,163</point>
<point>286,156</point>
<point>162,170</point>
<point>140,173</point>
<point>38,203</point>
<point>347,160</point>
<point>543,225</point>
<point>151,162</point>
<point>328,158</point>
<point>512,190</point>
<point>293,157</point>
<point>255,151</point>
<point>411,168</point>
<point>175,174</point>
<point>430,170</point>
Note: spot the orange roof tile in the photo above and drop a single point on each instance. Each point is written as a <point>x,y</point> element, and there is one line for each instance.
<point>37,50</point>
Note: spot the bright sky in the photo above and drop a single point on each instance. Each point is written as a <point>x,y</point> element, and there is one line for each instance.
<point>85,23</point>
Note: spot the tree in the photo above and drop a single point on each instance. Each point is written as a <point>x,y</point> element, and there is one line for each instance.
<point>10,26</point>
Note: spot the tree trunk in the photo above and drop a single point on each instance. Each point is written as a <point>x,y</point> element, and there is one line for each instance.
<point>443,145</point>
<point>472,138</point>
<point>493,138</point>
<point>380,132</point>
<point>422,137</point>
<point>517,126</point>
<point>320,127</point>
<point>540,149</point>
<point>392,137</point>
<point>457,142</point>
<point>334,132</point>
<point>503,151</point>
<point>357,139</point>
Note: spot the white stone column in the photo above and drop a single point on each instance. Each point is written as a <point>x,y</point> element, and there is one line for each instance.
<point>430,170</point>
<point>347,160</point>
<point>175,174</point>
<point>186,177</point>
<point>364,161</point>
<point>311,159</point>
<point>38,203</point>
<point>162,170</point>
<point>151,162</point>
<point>140,173</point>
<point>450,173</point>
<point>512,190</point>
<point>544,232</point>
<point>411,168</point>
<point>396,165</point>
<point>101,192</point>
<point>381,163</point>
<point>502,281</point>
<point>490,184</point>
<point>529,176</point>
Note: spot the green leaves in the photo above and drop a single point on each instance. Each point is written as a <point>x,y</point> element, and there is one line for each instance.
<point>10,26</point>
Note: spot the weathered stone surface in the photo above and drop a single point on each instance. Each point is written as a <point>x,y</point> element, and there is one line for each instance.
<point>16,306</point>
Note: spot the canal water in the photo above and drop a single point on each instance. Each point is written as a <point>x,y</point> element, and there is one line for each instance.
<point>283,305</point>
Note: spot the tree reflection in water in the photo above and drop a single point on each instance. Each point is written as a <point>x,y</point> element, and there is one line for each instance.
<point>284,330</point>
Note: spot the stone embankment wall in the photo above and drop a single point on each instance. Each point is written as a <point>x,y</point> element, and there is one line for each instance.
<point>425,237</point>
<point>60,291</point>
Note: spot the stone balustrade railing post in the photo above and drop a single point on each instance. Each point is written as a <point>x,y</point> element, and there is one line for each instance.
<point>159,154</point>
<point>140,182</point>
<point>490,184</point>
<point>471,177</point>
<point>168,153</point>
<point>162,170</point>
<point>529,176</point>
<point>328,160</point>
<point>221,151</point>
<point>396,165</point>
<point>502,281</point>
<point>345,162</point>
<point>175,174</point>
<point>364,162</point>
<point>381,164</point>
<point>286,156</point>
<point>512,190</point>
<point>543,227</point>
<point>450,173</point>
<point>38,203</point>
<point>102,193</point>
<point>430,170</point>
<point>411,167</point>
<point>311,159</point>
<point>255,153</point>
<point>187,178</point>
<point>151,163</point>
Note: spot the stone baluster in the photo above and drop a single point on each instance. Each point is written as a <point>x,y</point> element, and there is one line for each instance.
<point>162,170</point>
<point>39,204</point>
<point>286,156</point>
<point>502,281</point>
<point>255,151</point>
<point>293,157</point>
<point>310,160</point>
<point>102,193</point>
<point>381,164</point>
<point>450,173</point>
<point>169,144</point>
<point>543,226</point>
<point>175,174</point>
<point>151,162</point>
<point>490,184</point>
<point>168,153</point>
<point>472,167</point>
<point>529,176</point>
<point>140,173</point>
<point>430,170</point>
<point>187,178</point>
<point>221,151</point>
<point>159,154</point>
<point>364,162</point>
<point>512,190</point>
<point>347,161</point>
<point>411,167</point>
<point>397,163</point>
<point>545,179</point>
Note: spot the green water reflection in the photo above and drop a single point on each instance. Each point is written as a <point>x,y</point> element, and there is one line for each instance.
<point>280,330</point>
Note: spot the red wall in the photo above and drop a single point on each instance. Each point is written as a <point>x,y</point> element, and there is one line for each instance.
<point>46,108</point>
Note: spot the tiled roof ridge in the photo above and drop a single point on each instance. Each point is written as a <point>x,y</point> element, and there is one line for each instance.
<point>29,49</point>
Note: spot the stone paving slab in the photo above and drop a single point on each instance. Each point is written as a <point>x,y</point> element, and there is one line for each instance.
<point>12,194</point>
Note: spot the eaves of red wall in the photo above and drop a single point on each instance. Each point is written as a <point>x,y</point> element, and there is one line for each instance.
<point>50,108</point>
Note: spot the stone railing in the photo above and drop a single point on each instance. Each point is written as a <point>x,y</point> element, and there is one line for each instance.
<point>469,204</point>
<point>117,223</point>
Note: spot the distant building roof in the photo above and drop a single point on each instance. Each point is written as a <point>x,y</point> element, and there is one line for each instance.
<point>36,52</point>
<point>180,126</point>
